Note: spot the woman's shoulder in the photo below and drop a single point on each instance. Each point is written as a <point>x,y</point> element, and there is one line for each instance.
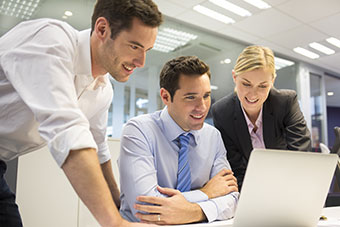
<point>277,96</point>
<point>225,101</point>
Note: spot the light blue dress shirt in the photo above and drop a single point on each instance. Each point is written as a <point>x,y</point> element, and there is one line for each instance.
<point>149,157</point>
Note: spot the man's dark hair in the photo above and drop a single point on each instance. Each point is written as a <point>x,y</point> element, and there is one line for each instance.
<point>120,13</point>
<point>186,65</point>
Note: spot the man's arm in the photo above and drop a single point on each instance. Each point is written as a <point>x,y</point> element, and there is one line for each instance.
<point>139,177</point>
<point>173,210</point>
<point>221,190</point>
<point>110,180</point>
<point>83,171</point>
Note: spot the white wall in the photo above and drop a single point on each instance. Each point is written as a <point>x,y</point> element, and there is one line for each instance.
<point>44,195</point>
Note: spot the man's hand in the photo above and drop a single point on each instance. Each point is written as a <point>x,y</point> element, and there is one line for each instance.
<point>172,210</point>
<point>221,184</point>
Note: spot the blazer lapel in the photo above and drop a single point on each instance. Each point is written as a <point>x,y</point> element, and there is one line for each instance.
<point>241,127</point>
<point>268,124</point>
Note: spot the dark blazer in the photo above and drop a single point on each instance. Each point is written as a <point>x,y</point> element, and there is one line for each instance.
<point>284,127</point>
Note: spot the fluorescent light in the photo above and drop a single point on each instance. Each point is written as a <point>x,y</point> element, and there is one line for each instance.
<point>281,63</point>
<point>68,13</point>
<point>231,7</point>
<point>334,41</point>
<point>183,35</point>
<point>330,93</point>
<point>19,9</point>
<point>64,17</point>
<point>321,48</point>
<point>169,39</point>
<point>213,14</point>
<point>225,61</point>
<point>306,53</point>
<point>213,87</point>
<point>258,3</point>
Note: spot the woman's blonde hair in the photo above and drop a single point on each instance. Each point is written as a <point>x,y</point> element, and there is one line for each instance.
<point>255,57</point>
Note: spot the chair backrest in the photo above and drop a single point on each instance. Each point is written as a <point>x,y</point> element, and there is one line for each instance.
<point>324,148</point>
<point>336,146</point>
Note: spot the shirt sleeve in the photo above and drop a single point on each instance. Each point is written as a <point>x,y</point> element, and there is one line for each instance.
<point>41,72</point>
<point>98,127</point>
<point>223,207</point>
<point>138,174</point>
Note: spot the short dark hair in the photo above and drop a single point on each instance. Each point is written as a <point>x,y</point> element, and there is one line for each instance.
<point>120,13</point>
<point>186,65</point>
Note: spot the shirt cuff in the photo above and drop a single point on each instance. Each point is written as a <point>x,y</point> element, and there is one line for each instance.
<point>74,138</point>
<point>209,208</point>
<point>104,154</point>
<point>195,196</point>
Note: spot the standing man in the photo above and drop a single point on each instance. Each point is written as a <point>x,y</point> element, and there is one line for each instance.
<point>54,89</point>
<point>174,148</point>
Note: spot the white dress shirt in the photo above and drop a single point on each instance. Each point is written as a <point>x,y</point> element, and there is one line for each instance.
<point>48,94</point>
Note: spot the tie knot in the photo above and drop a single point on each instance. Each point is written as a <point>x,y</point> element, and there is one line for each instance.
<point>184,140</point>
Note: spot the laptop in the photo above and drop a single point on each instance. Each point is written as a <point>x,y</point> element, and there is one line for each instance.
<point>284,188</point>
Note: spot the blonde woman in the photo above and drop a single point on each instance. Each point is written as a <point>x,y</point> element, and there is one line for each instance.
<point>257,115</point>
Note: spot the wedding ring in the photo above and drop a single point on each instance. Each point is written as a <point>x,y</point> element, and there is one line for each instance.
<point>159,217</point>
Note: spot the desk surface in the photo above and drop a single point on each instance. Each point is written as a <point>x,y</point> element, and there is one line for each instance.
<point>332,214</point>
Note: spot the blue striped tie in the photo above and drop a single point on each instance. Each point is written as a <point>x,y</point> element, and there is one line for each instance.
<point>183,175</point>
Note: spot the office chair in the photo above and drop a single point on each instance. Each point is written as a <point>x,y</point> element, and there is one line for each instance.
<point>336,146</point>
<point>336,150</point>
<point>333,198</point>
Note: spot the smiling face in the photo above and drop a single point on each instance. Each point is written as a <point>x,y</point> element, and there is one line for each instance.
<point>191,102</point>
<point>253,88</point>
<point>121,56</point>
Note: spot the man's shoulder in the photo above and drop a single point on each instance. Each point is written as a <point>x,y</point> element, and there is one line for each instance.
<point>209,130</point>
<point>145,120</point>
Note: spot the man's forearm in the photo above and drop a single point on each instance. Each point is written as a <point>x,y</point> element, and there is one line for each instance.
<point>197,214</point>
<point>110,180</point>
<point>83,171</point>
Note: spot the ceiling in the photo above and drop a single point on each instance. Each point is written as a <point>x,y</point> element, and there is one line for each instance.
<point>284,26</point>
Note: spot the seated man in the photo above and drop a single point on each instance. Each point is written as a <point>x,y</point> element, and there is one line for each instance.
<point>174,148</point>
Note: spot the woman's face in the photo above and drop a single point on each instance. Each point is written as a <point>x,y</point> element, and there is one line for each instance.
<point>253,88</point>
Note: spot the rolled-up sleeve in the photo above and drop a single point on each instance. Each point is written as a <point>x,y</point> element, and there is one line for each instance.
<point>98,129</point>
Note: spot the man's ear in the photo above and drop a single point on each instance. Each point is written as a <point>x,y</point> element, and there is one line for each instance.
<point>165,96</point>
<point>102,28</point>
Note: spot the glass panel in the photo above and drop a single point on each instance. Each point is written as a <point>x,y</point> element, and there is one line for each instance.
<point>220,53</point>
<point>316,111</point>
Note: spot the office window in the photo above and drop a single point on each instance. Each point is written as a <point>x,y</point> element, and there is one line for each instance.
<point>140,94</point>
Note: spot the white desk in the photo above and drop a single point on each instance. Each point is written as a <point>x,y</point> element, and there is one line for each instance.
<point>332,214</point>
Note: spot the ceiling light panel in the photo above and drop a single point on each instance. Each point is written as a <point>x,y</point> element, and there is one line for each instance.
<point>334,41</point>
<point>321,48</point>
<point>213,14</point>
<point>23,9</point>
<point>231,7</point>
<point>281,63</point>
<point>169,39</point>
<point>258,3</point>
<point>306,53</point>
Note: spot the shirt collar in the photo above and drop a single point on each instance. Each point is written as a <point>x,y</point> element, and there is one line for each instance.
<point>172,130</point>
<point>258,121</point>
<point>83,60</point>
<point>83,65</point>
